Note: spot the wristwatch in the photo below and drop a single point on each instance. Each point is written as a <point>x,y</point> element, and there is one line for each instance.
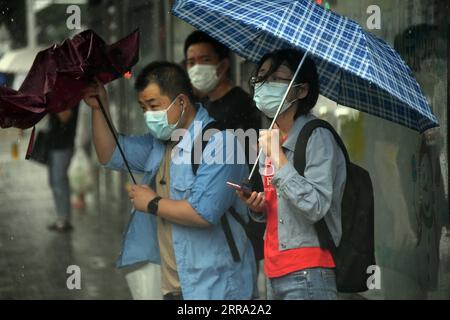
<point>152,206</point>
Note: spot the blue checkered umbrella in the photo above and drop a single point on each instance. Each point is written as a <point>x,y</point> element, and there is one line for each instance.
<point>356,68</point>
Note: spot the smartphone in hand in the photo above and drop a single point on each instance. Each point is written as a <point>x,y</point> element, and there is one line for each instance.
<point>245,190</point>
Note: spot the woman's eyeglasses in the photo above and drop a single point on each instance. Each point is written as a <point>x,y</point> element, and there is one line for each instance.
<point>258,79</point>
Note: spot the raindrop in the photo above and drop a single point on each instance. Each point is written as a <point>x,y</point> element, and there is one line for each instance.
<point>12,237</point>
<point>113,26</point>
<point>111,10</point>
<point>12,19</point>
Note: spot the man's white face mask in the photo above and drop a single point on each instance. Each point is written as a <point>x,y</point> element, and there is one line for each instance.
<point>204,77</point>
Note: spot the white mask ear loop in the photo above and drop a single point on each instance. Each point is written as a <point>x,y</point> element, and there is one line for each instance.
<point>182,112</point>
<point>217,67</point>
<point>296,99</point>
<point>278,112</point>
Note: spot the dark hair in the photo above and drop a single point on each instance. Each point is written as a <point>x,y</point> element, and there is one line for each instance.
<point>308,74</point>
<point>201,37</point>
<point>170,77</point>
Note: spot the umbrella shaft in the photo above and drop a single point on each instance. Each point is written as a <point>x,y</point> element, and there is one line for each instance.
<point>116,139</point>
<point>278,111</point>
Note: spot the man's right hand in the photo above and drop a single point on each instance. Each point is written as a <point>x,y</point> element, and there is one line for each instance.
<point>91,93</point>
<point>255,201</point>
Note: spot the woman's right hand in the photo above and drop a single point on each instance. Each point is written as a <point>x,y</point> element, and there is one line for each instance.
<point>93,91</point>
<point>255,201</point>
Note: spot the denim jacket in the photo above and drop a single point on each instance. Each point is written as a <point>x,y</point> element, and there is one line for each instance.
<point>204,263</point>
<point>302,201</point>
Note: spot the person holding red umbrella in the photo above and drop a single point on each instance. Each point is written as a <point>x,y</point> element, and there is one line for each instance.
<point>177,217</point>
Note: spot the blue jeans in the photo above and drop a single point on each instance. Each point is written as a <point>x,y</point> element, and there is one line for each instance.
<point>307,284</point>
<point>59,161</point>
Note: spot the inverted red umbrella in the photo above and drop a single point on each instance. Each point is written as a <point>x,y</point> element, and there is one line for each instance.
<point>59,75</point>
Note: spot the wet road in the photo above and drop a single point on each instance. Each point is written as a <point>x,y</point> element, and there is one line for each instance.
<point>33,260</point>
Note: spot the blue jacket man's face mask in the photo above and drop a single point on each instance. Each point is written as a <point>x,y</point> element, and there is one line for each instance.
<point>158,122</point>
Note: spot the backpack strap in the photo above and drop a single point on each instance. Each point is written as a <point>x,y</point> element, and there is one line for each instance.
<point>196,157</point>
<point>325,238</point>
<point>229,236</point>
<point>302,142</point>
<point>238,218</point>
<point>195,163</point>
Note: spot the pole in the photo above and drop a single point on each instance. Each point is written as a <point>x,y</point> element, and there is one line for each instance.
<point>31,24</point>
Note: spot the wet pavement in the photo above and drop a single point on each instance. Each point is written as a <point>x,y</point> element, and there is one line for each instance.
<point>33,260</point>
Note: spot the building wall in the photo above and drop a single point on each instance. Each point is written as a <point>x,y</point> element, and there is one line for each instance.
<point>409,170</point>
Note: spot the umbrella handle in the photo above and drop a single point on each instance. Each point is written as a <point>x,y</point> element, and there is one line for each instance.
<point>278,111</point>
<point>115,138</point>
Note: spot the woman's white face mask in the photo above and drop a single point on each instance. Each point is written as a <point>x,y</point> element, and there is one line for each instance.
<point>268,96</point>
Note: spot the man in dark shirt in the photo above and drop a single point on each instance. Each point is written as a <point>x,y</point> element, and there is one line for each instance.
<point>62,130</point>
<point>208,66</point>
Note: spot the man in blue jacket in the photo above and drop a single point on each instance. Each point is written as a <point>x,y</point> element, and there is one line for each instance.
<point>176,216</point>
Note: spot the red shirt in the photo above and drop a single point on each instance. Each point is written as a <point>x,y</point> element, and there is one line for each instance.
<point>279,263</point>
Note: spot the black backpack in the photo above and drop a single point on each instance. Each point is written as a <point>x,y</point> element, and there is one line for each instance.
<point>254,230</point>
<point>356,251</point>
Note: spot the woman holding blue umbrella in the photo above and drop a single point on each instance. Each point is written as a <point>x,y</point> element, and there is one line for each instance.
<point>296,266</point>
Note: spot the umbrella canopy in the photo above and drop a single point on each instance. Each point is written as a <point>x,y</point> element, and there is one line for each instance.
<point>18,61</point>
<point>356,69</point>
<point>60,73</point>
